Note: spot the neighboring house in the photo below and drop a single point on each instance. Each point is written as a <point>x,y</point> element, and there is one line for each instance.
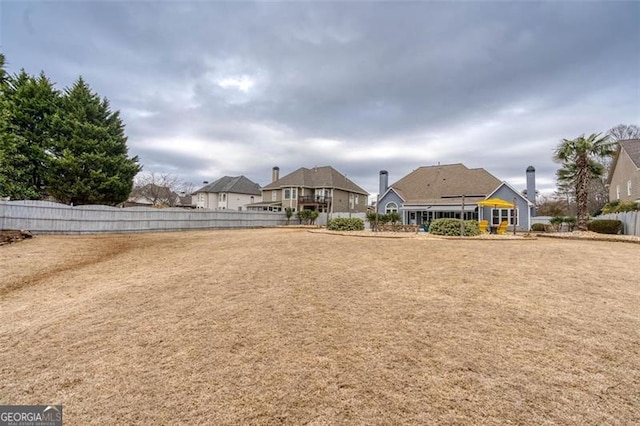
<point>436,192</point>
<point>227,193</point>
<point>323,189</point>
<point>624,174</point>
<point>152,195</point>
<point>186,201</point>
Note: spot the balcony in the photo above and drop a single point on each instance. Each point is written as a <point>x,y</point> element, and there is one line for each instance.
<point>313,199</point>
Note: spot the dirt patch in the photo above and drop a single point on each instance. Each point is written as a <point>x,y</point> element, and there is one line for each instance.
<point>288,326</point>
<point>11,236</point>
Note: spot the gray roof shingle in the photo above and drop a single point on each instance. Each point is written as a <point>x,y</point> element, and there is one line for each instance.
<point>430,183</point>
<point>632,148</point>
<point>234,184</point>
<point>318,177</point>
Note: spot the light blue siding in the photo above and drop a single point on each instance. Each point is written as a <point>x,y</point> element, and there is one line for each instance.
<point>389,197</point>
<point>504,192</point>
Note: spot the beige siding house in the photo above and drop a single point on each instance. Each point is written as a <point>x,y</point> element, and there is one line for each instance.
<point>323,189</point>
<point>227,193</point>
<point>624,175</point>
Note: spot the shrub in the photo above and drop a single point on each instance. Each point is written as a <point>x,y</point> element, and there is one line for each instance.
<point>570,221</point>
<point>346,224</point>
<point>620,207</point>
<point>605,226</point>
<point>313,215</point>
<point>394,217</point>
<point>384,218</point>
<point>556,223</point>
<point>451,227</point>
<point>372,217</point>
<point>288,211</point>
<point>305,216</point>
<point>538,227</point>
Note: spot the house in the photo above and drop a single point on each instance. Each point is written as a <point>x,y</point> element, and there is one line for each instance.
<point>227,193</point>
<point>323,189</point>
<point>452,191</point>
<point>624,174</point>
<point>152,195</point>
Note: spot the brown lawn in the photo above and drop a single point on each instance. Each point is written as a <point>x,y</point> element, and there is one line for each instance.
<point>286,326</point>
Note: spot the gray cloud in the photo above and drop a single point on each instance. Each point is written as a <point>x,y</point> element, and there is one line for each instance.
<point>214,88</point>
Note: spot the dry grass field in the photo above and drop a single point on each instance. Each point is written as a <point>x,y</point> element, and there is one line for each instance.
<point>283,326</point>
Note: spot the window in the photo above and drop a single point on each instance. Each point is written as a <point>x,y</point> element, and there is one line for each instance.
<point>224,197</point>
<point>274,194</point>
<point>294,193</point>
<point>508,215</point>
<point>356,199</point>
<point>351,198</point>
<point>617,192</point>
<point>390,208</point>
<point>286,194</point>
<point>629,187</point>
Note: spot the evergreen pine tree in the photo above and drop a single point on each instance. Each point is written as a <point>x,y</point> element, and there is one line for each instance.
<point>27,105</point>
<point>90,162</point>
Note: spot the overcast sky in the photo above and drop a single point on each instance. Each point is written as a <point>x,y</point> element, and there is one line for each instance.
<point>208,89</point>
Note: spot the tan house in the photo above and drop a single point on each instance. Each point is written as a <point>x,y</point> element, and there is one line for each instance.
<point>323,189</point>
<point>227,193</point>
<point>624,175</point>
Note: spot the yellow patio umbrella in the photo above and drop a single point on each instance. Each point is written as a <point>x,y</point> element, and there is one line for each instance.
<point>497,203</point>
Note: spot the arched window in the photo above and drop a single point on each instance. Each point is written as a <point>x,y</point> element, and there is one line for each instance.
<point>391,207</point>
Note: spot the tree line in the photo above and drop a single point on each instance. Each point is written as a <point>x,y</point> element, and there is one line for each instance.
<point>64,145</point>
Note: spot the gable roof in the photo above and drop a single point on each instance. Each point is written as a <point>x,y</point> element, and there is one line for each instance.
<point>632,148</point>
<point>318,177</point>
<point>237,185</point>
<point>429,184</point>
<point>515,191</point>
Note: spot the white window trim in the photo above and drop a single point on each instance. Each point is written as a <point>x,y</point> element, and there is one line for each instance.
<point>617,192</point>
<point>507,218</point>
<point>629,188</point>
<point>388,210</point>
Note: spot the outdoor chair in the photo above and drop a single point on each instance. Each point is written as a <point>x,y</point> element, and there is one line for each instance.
<point>502,229</point>
<point>483,225</point>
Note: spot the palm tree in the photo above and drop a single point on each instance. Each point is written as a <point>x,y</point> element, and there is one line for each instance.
<point>579,166</point>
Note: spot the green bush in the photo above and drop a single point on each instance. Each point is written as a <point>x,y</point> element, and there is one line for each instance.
<point>313,216</point>
<point>384,218</point>
<point>346,224</point>
<point>451,227</point>
<point>394,217</point>
<point>538,227</point>
<point>570,221</point>
<point>620,207</point>
<point>306,216</point>
<point>605,226</point>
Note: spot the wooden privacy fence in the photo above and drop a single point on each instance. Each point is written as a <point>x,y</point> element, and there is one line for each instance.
<point>630,221</point>
<point>45,217</point>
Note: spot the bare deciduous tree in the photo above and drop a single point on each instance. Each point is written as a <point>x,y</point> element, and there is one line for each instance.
<point>624,131</point>
<point>159,189</point>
